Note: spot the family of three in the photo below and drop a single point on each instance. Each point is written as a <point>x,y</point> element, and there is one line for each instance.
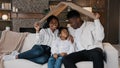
<point>81,41</point>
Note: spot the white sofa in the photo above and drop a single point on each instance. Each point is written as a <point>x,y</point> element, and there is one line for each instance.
<point>110,51</point>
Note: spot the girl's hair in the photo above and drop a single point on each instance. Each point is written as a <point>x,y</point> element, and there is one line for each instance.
<point>62,28</point>
<point>46,25</point>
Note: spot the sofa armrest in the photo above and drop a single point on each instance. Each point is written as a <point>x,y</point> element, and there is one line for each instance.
<point>111,56</point>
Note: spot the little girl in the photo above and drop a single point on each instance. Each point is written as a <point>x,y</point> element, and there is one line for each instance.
<point>59,48</point>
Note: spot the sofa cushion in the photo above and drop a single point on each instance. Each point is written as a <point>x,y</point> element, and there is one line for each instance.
<point>21,63</point>
<point>29,42</point>
<point>79,65</point>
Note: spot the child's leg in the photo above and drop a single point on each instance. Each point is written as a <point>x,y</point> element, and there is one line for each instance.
<point>58,62</point>
<point>51,62</point>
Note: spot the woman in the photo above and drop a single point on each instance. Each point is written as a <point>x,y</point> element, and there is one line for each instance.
<point>40,52</point>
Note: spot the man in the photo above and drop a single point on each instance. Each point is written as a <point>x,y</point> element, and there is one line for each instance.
<point>88,38</point>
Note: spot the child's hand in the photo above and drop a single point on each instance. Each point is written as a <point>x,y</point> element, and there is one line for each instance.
<point>55,56</point>
<point>63,54</point>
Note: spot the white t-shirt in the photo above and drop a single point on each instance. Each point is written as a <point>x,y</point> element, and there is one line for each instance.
<point>88,36</point>
<point>62,46</point>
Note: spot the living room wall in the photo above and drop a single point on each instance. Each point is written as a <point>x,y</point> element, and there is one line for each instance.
<point>27,7</point>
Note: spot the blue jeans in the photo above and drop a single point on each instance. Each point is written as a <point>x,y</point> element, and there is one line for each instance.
<point>55,63</point>
<point>38,54</point>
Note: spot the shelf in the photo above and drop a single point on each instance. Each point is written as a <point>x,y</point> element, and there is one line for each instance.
<point>5,9</point>
<point>22,15</point>
<point>5,21</point>
<point>9,20</point>
<point>5,1</point>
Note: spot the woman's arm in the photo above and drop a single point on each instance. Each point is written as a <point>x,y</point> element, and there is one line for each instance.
<point>37,27</point>
<point>40,36</point>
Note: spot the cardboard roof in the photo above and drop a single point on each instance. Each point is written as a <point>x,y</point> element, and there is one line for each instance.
<point>63,5</point>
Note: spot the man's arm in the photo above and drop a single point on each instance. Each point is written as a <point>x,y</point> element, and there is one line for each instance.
<point>98,31</point>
